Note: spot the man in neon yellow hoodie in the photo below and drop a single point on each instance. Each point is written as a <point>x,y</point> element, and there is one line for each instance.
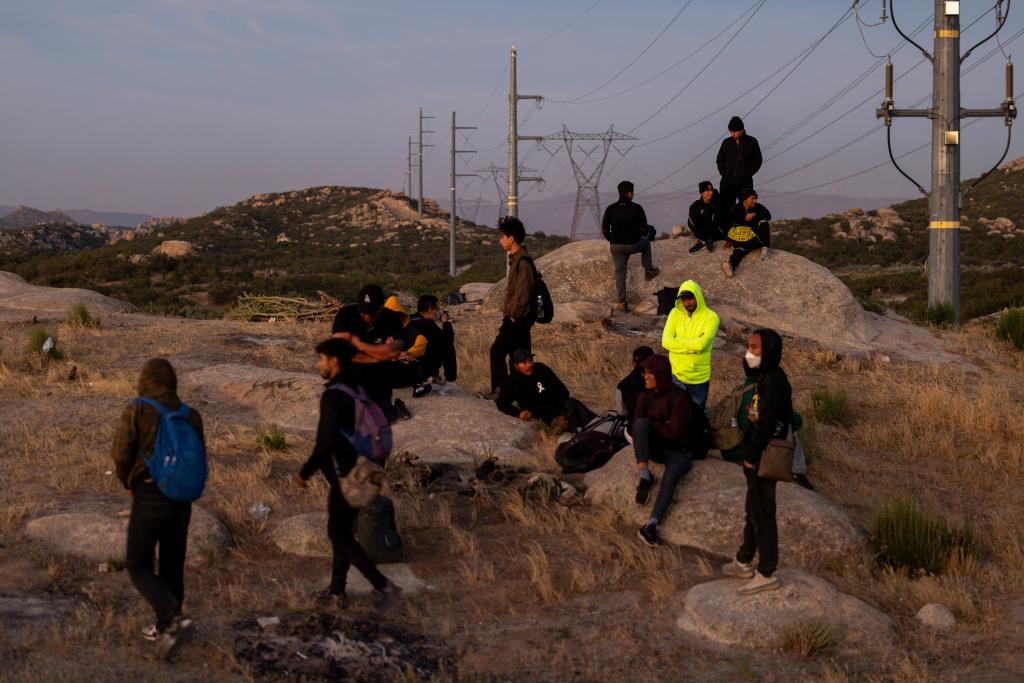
<point>688,337</point>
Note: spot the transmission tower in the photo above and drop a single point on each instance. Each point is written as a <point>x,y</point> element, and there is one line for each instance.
<point>593,157</point>
<point>499,174</point>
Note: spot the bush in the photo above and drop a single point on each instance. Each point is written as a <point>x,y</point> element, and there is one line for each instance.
<point>905,538</point>
<point>272,437</point>
<point>831,406</point>
<point>1011,327</point>
<point>809,638</point>
<point>942,315</point>
<point>872,306</point>
<point>79,316</point>
<point>37,339</point>
<point>809,438</point>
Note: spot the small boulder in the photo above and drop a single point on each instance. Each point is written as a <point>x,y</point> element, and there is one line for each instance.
<point>1003,224</point>
<point>476,291</point>
<point>175,249</point>
<point>715,611</point>
<point>582,312</point>
<point>303,535</point>
<point>936,616</point>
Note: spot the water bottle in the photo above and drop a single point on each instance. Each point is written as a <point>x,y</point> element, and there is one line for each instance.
<point>734,423</point>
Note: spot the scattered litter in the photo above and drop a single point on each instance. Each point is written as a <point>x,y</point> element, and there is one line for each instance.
<point>258,511</point>
<point>108,473</point>
<point>301,656</point>
<point>268,622</point>
<point>48,345</point>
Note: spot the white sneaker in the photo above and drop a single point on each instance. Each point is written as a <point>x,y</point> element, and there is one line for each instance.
<point>739,570</point>
<point>169,640</point>
<point>759,583</point>
<point>150,633</point>
<point>764,253</point>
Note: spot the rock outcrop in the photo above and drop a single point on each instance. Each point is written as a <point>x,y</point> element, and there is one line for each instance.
<point>19,298</point>
<point>175,249</point>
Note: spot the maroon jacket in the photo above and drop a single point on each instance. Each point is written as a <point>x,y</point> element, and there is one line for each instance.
<point>667,407</point>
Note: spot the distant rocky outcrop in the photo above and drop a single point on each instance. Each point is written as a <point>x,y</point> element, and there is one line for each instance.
<point>26,216</point>
<point>175,249</point>
<point>55,237</point>
<point>19,298</point>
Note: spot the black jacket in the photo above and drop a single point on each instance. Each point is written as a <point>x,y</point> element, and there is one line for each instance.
<point>772,402</point>
<point>631,386</point>
<point>387,324</point>
<point>706,218</point>
<point>761,223</point>
<point>333,454</point>
<point>739,161</point>
<point>542,393</point>
<point>624,222</point>
<point>440,346</point>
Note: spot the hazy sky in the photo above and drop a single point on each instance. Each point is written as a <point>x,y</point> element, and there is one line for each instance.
<point>179,106</point>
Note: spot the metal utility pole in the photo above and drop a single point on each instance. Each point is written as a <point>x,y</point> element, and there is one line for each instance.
<point>408,168</point>
<point>419,203</point>
<point>514,137</point>
<point>455,176</point>
<point>946,114</point>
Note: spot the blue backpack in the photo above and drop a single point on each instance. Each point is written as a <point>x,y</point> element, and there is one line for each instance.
<point>178,463</point>
<point>371,435</point>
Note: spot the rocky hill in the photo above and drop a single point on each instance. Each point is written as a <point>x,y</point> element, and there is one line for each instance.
<point>288,243</point>
<point>54,237</point>
<point>25,216</point>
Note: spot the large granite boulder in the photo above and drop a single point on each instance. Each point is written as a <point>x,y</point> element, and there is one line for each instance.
<point>19,298</point>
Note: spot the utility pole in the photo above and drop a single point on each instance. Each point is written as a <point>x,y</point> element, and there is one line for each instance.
<point>408,168</point>
<point>455,176</point>
<point>514,137</point>
<point>419,203</point>
<point>946,114</point>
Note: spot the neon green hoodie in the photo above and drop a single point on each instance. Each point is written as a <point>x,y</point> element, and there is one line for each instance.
<point>688,338</point>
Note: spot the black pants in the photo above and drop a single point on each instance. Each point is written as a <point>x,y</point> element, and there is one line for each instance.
<point>760,533</point>
<point>347,551</point>
<point>649,447</point>
<point>706,232</point>
<point>511,336</point>
<point>729,193</point>
<point>740,251</point>
<point>158,520</point>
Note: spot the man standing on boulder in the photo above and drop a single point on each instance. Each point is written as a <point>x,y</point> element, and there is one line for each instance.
<point>739,158</point>
<point>625,227</point>
<point>705,219</point>
<point>519,308</point>
<point>155,518</point>
<point>688,336</point>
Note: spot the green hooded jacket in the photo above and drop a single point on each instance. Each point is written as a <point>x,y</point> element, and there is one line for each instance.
<point>689,338</point>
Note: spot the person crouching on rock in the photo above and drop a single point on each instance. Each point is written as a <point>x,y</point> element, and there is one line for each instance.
<point>155,518</point>
<point>334,456</point>
<point>750,230</point>
<point>534,392</point>
<point>770,413</point>
<point>705,218</point>
<point>661,433</point>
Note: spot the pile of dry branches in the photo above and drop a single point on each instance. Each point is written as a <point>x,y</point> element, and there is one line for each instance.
<point>255,308</point>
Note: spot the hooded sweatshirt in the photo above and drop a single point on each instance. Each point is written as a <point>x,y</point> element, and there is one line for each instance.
<point>540,392</point>
<point>136,431</point>
<point>689,338</point>
<point>771,409</point>
<point>624,222</point>
<point>667,407</point>
<point>705,217</point>
<point>739,160</point>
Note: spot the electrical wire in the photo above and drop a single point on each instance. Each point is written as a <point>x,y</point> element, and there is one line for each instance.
<point>989,37</point>
<point>896,164</point>
<point>860,29</point>
<point>490,98</point>
<point>892,13</point>
<point>856,9</point>
<point>561,30</point>
<point>987,173</point>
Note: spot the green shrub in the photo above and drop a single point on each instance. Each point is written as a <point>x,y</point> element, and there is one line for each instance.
<point>872,306</point>
<point>1011,327</point>
<point>809,438</point>
<point>37,339</point>
<point>809,638</point>
<point>906,538</point>
<point>942,315</point>
<point>79,316</point>
<point>272,437</point>
<point>831,406</point>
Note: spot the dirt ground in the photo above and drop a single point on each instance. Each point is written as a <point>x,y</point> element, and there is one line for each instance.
<point>523,588</point>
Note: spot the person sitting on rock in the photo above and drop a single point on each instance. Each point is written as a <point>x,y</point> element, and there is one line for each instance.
<point>632,385</point>
<point>689,334</point>
<point>705,219</point>
<point>432,346</point>
<point>376,333</point>
<point>534,392</point>
<point>662,426</point>
<point>155,520</point>
<point>770,413</point>
<point>750,230</point>
<point>625,227</point>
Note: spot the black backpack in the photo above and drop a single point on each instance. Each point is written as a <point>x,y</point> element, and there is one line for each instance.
<point>666,300</point>
<point>543,306</point>
<point>594,446</point>
<point>377,532</point>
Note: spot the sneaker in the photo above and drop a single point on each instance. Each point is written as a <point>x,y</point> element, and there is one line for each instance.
<point>421,390</point>
<point>764,253</point>
<point>710,246</point>
<point>648,533</point>
<point>697,246</point>
<point>643,490</point>
<point>759,584</point>
<point>401,411</point>
<point>150,633</point>
<point>384,597</point>
<point>802,480</point>
<point>727,269</point>
<point>652,273</point>
<point>169,641</point>
<point>739,570</point>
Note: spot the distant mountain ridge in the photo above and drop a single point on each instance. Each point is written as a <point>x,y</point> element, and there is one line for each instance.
<point>113,219</point>
<point>26,216</point>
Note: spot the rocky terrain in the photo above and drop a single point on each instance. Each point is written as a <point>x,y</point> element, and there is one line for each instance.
<point>26,216</point>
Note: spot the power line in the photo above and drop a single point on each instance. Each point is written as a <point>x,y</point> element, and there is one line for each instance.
<point>564,28</point>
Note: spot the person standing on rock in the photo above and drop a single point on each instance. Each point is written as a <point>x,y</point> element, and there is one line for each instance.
<point>739,159</point>
<point>155,520</point>
<point>770,411</point>
<point>661,433</point>
<point>625,227</point>
<point>750,231</point>
<point>519,308</point>
<point>705,218</point>
<point>688,336</point>
<point>533,392</point>
<point>334,456</point>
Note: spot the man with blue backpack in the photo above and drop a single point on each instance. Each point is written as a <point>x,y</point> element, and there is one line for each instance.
<point>160,456</point>
<point>353,438</point>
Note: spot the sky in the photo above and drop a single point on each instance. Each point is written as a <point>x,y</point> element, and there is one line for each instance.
<point>175,107</point>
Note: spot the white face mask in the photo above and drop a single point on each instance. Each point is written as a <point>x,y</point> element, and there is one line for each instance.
<point>752,360</point>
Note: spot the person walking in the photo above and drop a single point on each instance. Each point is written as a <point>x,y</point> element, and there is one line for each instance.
<point>625,227</point>
<point>739,159</point>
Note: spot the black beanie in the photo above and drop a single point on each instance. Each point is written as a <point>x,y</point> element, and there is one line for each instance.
<point>735,124</point>
<point>747,192</point>
<point>705,185</point>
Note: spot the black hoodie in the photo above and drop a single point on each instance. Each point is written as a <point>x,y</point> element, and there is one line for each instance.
<point>541,392</point>
<point>333,454</point>
<point>739,160</point>
<point>624,222</point>
<point>706,217</point>
<point>773,399</point>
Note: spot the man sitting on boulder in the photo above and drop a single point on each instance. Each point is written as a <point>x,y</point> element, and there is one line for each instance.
<point>750,231</point>
<point>689,334</point>
<point>625,226</point>
<point>632,385</point>
<point>705,219</point>
<point>432,346</point>
<point>661,433</point>
<point>533,391</point>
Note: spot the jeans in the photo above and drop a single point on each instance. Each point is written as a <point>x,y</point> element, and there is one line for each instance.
<point>698,392</point>
<point>158,520</point>
<point>346,550</point>
<point>511,336</point>
<point>649,447</point>
<point>760,532</point>
<point>620,258</point>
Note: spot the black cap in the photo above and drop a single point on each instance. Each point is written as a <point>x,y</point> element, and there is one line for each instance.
<point>642,353</point>
<point>519,355</point>
<point>747,192</point>
<point>735,124</point>
<point>625,187</point>
<point>371,298</point>
<point>686,294</point>
<point>704,186</point>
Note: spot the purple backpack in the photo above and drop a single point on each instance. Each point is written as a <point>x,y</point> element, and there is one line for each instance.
<point>371,435</point>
